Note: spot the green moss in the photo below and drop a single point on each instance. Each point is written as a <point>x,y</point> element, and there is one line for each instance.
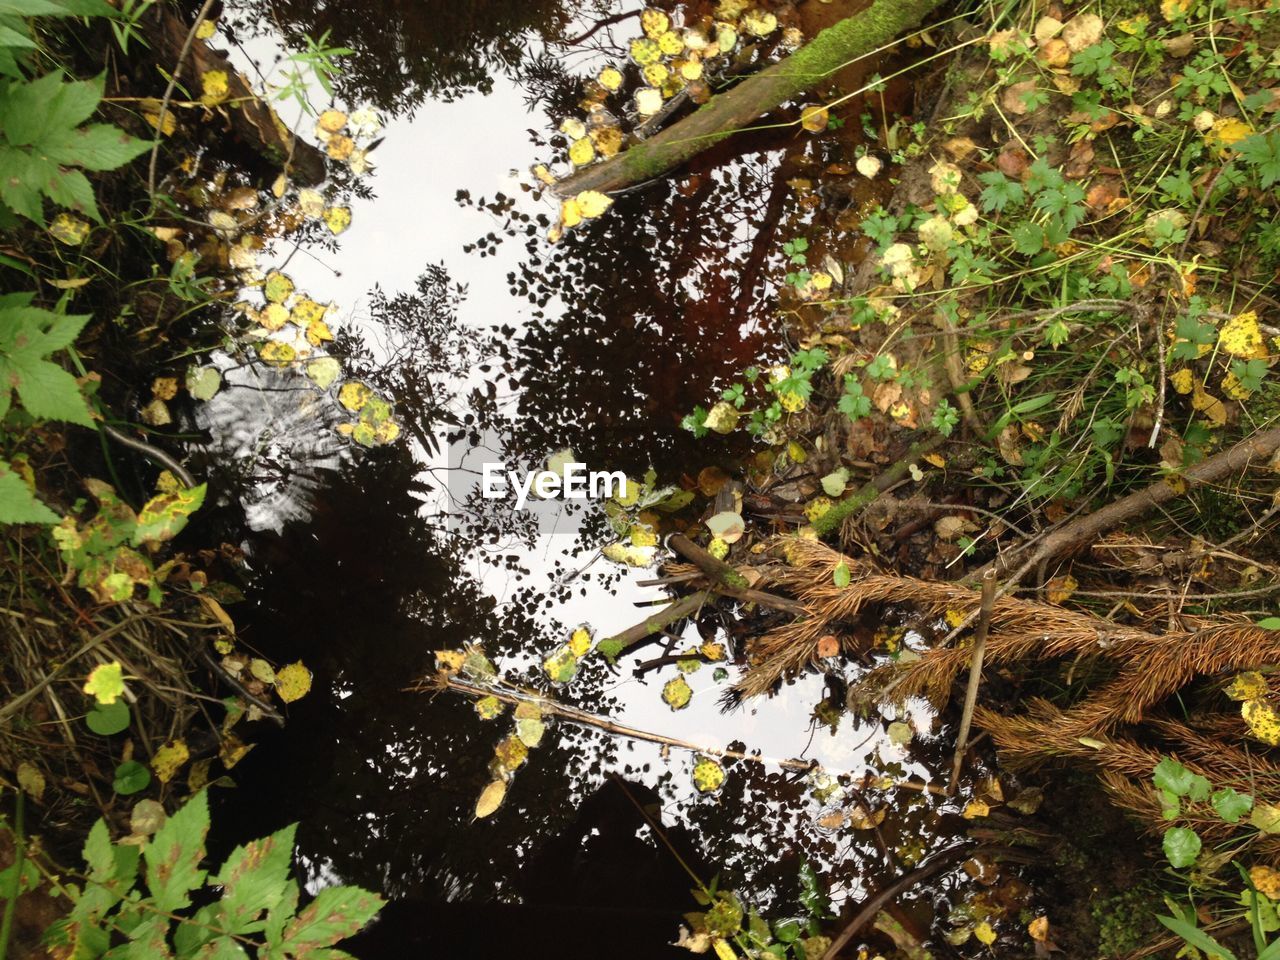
<point>1126,921</point>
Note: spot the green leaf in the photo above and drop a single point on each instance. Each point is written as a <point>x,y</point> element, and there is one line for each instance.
<point>24,113</point>
<point>1197,937</point>
<point>1269,623</point>
<point>99,146</point>
<point>18,504</point>
<point>335,914</point>
<point>105,720</point>
<point>1181,846</point>
<point>74,103</point>
<point>841,576</point>
<point>163,517</point>
<point>71,189</point>
<point>1231,806</point>
<point>1028,238</point>
<point>131,776</point>
<point>254,879</point>
<point>1170,775</point>
<point>47,391</point>
<point>173,856</point>
<point>11,35</point>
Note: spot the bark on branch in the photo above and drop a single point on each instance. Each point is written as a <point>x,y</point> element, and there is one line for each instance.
<point>725,113</point>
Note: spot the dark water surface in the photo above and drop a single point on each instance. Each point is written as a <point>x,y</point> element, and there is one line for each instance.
<point>601,344</point>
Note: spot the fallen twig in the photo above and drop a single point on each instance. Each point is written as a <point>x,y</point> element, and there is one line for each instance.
<point>975,675</point>
<point>877,902</point>
<point>728,580</point>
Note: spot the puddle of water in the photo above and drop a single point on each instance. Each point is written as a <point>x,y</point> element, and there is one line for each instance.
<point>612,337</point>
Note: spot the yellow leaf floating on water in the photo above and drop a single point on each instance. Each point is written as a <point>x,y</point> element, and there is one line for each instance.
<point>311,203</point>
<point>293,682</point>
<point>354,395</point>
<point>168,759</point>
<point>489,707</point>
<point>214,87</point>
<point>645,51</point>
<point>337,219</point>
<point>105,683</point>
<point>69,229</point>
<point>491,798</point>
<point>277,354</point>
<point>529,730</point>
<point>274,316</point>
<point>610,78</point>
<point>814,118</point>
<point>1250,685</point>
<point>562,665</point>
<point>976,809</point>
<point>654,23</point>
<point>1241,336</point>
<point>450,661</point>
<point>608,140</point>
<point>985,934</point>
<point>340,147</point>
<point>581,151</point>
<point>318,332</point>
<point>277,287</point>
<point>511,753</point>
<point>580,642</point>
<point>671,43</point>
<point>759,23</point>
<point>656,74</point>
<point>306,312</point>
<point>592,203</point>
<point>677,693</point>
<point>570,213</point>
<point>1263,721</point>
<point>708,776</point>
<point>331,121</point>
<point>206,29</point>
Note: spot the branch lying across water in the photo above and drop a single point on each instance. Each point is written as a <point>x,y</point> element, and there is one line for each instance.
<point>553,708</point>
<point>726,113</point>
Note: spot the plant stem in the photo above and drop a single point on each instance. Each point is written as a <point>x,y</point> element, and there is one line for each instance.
<point>975,675</point>
<point>15,888</point>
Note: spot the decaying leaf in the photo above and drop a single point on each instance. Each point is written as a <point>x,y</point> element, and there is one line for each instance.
<point>105,683</point>
<point>167,760</point>
<point>727,526</point>
<point>491,798</point>
<point>1263,721</point>
<point>708,776</point>
<point>677,693</point>
<point>489,707</point>
<point>511,753</point>
<point>1250,685</point>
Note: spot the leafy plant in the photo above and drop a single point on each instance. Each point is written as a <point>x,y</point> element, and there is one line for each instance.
<point>249,903</point>
<point>45,148</point>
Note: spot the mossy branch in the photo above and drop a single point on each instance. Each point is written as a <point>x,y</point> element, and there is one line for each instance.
<point>726,113</point>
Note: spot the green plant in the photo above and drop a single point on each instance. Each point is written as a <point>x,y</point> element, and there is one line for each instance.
<point>249,903</point>
<point>46,148</point>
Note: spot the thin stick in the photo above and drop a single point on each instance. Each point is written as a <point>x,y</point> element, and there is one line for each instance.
<point>168,96</point>
<point>975,676</point>
<point>584,719</point>
<point>883,897</point>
